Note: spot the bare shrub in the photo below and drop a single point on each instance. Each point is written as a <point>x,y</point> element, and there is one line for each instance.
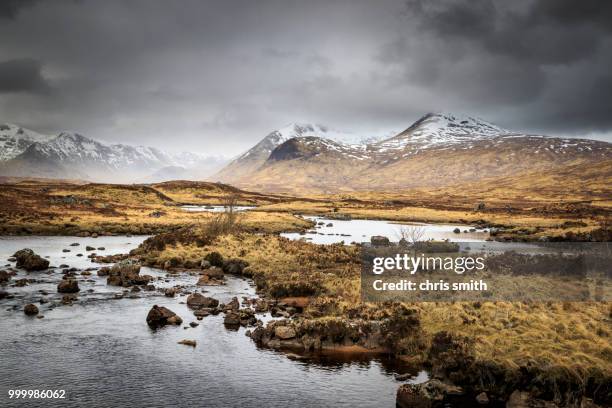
<point>225,222</point>
<point>411,233</point>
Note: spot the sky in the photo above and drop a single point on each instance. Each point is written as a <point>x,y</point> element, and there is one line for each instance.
<point>216,76</point>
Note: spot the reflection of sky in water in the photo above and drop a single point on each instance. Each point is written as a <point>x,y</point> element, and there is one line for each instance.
<point>363,230</point>
<point>213,208</point>
<point>101,351</point>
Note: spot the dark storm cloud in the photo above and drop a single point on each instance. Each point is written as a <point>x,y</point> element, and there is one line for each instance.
<point>218,75</point>
<point>10,8</point>
<point>22,75</point>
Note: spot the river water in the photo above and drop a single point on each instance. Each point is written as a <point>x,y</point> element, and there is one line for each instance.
<point>329,231</point>
<point>214,208</point>
<point>102,353</point>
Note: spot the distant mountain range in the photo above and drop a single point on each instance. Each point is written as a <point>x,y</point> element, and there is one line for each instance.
<point>25,153</point>
<point>437,150</point>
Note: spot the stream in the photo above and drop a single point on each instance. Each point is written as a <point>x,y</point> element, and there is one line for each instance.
<point>102,353</point>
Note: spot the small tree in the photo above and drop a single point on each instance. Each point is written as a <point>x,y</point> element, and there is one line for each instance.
<point>411,233</point>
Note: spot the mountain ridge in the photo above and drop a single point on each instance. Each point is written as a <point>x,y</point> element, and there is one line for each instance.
<point>72,155</point>
<point>437,150</point>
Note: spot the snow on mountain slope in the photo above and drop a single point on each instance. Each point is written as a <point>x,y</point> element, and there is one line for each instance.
<point>294,130</point>
<point>14,140</point>
<point>436,129</point>
<point>71,153</point>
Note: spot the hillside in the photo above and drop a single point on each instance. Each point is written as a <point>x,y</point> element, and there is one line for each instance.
<point>69,155</point>
<point>437,151</point>
<point>253,158</point>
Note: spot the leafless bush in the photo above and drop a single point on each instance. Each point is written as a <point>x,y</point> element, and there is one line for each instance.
<point>411,233</point>
<point>226,221</point>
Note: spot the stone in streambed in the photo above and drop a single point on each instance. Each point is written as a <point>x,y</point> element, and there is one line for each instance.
<point>28,260</point>
<point>284,332</point>
<point>379,240</point>
<point>428,394</point>
<point>4,276</point>
<point>30,310</point>
<point>199,301</point>
<point>126,274</point>
<point>68,286</point>
<point>160,316</point>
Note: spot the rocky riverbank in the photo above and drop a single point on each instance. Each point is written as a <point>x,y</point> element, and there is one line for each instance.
<point>332,317</point>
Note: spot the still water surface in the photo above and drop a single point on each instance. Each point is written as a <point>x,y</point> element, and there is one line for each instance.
<point>329,231</point>
<point>101,351</point>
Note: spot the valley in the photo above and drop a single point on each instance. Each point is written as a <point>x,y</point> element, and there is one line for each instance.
<point>285,236</point>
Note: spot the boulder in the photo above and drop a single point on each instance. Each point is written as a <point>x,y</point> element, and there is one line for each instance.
<point>213,273</point>
<point>28,260</point>
<point>126,274</point>
<point>4,276</point>
<point>284,332</point>
<point>30,310</point>
<point>104,271</point>
<point>199,301</point>
<point>232,305</point>
<point>379,240</point>
<point>234,266</point>
<point>90,248</point>
<point>232,319</point>
<point>68,299</point>
<point>428,394</point>
<point>457,231</point>
<point>214,258</point>
<point>68,286</point>
<point>160,316</point>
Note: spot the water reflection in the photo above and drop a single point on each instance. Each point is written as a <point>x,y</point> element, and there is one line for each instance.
<point>329,231</point>
<point>101,351</point>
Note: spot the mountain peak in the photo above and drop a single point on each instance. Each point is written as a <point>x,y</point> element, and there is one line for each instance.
<point>435,129</point>
<point>15,139</point>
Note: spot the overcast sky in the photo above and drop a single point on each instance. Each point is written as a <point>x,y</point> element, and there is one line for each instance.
<point>217,76</point>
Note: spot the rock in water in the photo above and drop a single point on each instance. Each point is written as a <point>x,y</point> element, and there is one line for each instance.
<point>234,266</point>
<point>191,343</point>
<point>4,276</point>
<point>199,301</point>
<point>160,316</point>
<point>482,398</point>
<point>428,394</point>
<point>232,319</point>
<point>28,260</point>
<point>30,310</point>
<point>233,304</point>
<point>379,240</point>
<point>126,274</point>
<point>68,286</point>
<point>284,332</point>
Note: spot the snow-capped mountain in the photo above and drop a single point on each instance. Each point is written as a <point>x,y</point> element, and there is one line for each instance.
<point>14,140</point>
<point>258,154</point>
<point>71,155</point>
<point>437,129</point>
<point>293,130</point>
<point>438,149</point>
